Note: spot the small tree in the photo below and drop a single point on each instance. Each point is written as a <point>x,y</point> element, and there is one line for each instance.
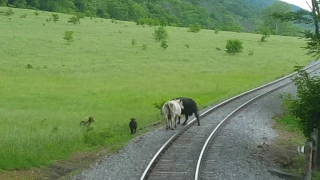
<point>194,28</point>
<point>36,13</point>
<point>133,42</point>
<point>160,34</point>
<point>265,34</point>
<point>306,106</point>
<point>234,46</point>
<point>164,44</point>
<point>55,17</point>
<point>216,31</point>
<point>68,36</point>
<point>74,20</point>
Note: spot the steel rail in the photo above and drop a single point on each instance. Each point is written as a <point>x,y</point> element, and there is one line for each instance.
<point>176,135</point>
<point>223,122</point>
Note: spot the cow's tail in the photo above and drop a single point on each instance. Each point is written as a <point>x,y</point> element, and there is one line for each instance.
<point>169,111</point>
<point>173,109</point>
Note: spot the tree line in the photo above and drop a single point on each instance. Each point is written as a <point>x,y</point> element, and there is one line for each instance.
<point>170,12</point>
<point>227,15</point>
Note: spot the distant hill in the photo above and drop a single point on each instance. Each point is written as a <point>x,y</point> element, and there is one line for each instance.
<point>228,15</point>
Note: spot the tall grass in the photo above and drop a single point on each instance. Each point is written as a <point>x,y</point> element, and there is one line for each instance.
<point>101,74</point>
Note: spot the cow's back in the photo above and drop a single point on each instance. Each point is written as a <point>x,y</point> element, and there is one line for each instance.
<point>189,105</point>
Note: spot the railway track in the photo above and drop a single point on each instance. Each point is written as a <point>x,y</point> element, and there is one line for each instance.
<point>181,157</point>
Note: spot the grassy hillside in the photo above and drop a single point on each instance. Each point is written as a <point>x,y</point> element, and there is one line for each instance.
<point>101,74</point>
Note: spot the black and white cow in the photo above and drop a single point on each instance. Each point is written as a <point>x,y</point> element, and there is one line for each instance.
<point>189,107</point>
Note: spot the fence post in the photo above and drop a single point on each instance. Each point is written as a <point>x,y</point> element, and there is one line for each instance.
<point>314,138</point>
<point>308,161</point>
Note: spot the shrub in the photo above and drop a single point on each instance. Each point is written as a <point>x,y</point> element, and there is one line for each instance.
<point>159,106</point>
<point>68,36</point>
<point>194,28</point>
<point>55,17</point>
<point>133,42</point>
<point>144,46</point>
<point>9,12</point>
<point>160,34</point>
<point>164,44</point>
<point>23,16</point>
<point>306,106</point>
<point>234,46</point>
<point>36,13</point>
<point>74,20</point>
<point>216,31</point>
<point>263,39</point>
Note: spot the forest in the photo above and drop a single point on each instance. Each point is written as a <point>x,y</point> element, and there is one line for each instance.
<point>226,15</point>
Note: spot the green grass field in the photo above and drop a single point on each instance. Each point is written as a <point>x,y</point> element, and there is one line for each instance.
<point>101,74</point>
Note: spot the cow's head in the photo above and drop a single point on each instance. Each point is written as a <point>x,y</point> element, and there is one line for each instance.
<point>179,101</point>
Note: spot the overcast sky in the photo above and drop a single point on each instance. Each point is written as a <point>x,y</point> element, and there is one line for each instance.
<point>300,3</point>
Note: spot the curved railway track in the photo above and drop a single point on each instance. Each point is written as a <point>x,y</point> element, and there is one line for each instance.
<point>181,157</point>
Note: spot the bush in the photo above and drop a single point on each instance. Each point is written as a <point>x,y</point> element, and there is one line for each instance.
<point>68,36</point>
<point>216,31</point>
<point>144,46</point>
<point>133,42</point>
<point>194,28</point>
<point>36,13</point>
<point>234,46</point>
<point>307,104</point>
<point>55,17</point>
<point>164,44</point>
<point>9,12</point>
<point>74,20</point>
<point>263,39</point>
<point>23,16</point>
<point>160,34</point>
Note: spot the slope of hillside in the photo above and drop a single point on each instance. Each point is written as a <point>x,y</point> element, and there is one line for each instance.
<point>231,15</point>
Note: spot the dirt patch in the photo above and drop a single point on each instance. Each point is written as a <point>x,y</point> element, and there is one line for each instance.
<point>59,169</point>
<point>282,152</point>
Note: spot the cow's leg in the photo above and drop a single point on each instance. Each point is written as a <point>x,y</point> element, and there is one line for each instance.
<point>167,122</point>
<point>185,120</point>
<point>175,122</point>
<point>179,119</point>
<point>197,116</point>
<point>172,119</point>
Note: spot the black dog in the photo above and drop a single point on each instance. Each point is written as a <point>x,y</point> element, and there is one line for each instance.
<point>87,123</point>
<point>133,125</point>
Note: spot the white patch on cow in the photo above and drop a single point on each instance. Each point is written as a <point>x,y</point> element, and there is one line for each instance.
<point>172,108</point>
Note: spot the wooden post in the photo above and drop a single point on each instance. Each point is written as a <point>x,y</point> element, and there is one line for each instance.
<point>308,161</point>
<point>314,138</point>
<point>318,152</point>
